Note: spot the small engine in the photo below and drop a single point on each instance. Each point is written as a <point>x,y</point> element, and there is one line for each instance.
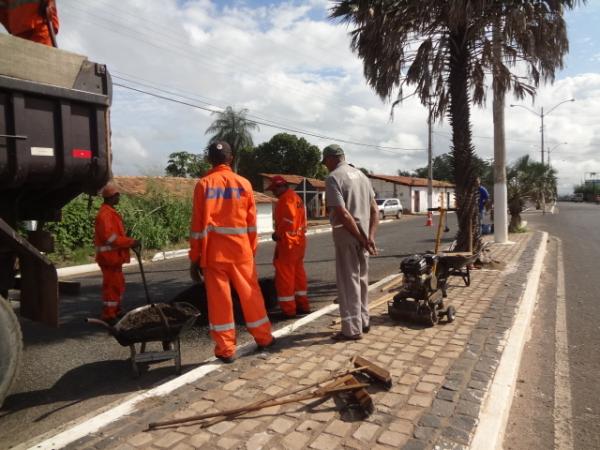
<point>417,271</point>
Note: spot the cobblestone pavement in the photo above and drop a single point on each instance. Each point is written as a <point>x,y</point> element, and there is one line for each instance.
<point>440,378</point>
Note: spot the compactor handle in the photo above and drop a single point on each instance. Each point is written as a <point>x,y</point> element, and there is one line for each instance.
<point>439,209</point>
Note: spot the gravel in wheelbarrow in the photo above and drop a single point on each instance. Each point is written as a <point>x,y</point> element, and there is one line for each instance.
<point>155,322</point>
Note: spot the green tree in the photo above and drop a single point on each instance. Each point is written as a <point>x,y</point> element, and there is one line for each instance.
<point>287,153</point>
<point>406,173</point>
<point>444,49</point>
<point>443,169</point>
<point>527,181</point>
<point>186,165</point>
<point>233,127</point>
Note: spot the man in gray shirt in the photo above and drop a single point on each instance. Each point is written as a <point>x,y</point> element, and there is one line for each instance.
<point>354,219</point>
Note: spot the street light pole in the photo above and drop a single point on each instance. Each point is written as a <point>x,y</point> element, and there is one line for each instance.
<point>429,162</point>
<point>541,115</point>
<point>552,149</point>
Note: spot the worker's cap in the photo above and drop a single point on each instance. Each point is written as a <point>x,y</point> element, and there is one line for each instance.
<point>110,190</point>
<point>219,149</point>
<point>276,181</point>
<point>332,150</point>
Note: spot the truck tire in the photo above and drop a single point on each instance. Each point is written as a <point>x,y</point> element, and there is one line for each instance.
<point>11,346</point>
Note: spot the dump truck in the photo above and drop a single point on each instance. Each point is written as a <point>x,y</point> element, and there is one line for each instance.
<point>54,146</point>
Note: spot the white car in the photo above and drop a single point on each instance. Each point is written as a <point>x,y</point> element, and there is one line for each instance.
<point>389,207</point>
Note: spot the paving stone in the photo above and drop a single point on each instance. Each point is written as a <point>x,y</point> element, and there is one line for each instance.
<point>325,442</point>
<point>442,408</point>
<point>400,389</point>
<point>409,379</point>
<point>227,443</point>
<point>202,405</point>
<point>339,428</point>
<point>452,385</point>
<point>308,425</point>
<point>141,439</point>
<point>221,427</point>
<point>198,439</point>
<point>449,396</point>
<point>281,425</point>
<point>465,423</point>
<point>420,400</point>
<point>415,370</point>
<point>390,399</point>
<point>402,426</point>
<point>366,432</point>
<point>425,387</point>
<point>431,421</point>
<point>454,434</point>
<point>414,444</point>
<point>410,414</point>
<point>435,370</point>
<point>473,395</point>
<point>435,379</point>
<point>169,439</point>
<point>427,354</point>
<point>324,416</point>
<point>234,385</point>
<point>446,444</point>
<point>245,425</point>
<point>424,433</point>
<point>478,385</point>
<point>295,440</point>
<point>392,439</point>
<point>468,409</point>
<point>258,441</point>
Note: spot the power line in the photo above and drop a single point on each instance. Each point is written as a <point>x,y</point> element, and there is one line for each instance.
<point>259,122</point>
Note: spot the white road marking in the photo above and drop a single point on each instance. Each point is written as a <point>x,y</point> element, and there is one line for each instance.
<point>563,412</point>
<point>99,420</point>
<point>493,416</point>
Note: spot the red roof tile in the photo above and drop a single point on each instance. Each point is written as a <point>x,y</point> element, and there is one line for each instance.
<point>295,179</point>
<point>410,181</point>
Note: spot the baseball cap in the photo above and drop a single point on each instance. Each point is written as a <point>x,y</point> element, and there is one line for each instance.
<point>276,181</point>
<point>110,190</point>
<point>219,148</point>
<point>332,150</point>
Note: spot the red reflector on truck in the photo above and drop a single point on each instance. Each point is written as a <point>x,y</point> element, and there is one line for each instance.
<point>81,154</point>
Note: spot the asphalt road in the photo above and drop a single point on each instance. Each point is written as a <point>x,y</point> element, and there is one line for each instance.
<point>72,371</point>
<point>576,228</point>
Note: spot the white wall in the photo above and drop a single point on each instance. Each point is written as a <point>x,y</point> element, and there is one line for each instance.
<point>264,220</point>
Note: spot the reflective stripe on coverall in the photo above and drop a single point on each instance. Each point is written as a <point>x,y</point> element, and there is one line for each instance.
<point>223,243</point>
<point>112,251</point>
<point>25,19</point>
<point>290,276</point>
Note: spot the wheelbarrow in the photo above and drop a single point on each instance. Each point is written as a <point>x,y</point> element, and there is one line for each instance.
<point>157,322</point>
<point>457,264</point>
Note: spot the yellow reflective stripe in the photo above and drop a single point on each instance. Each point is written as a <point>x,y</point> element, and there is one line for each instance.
<point>286,299</point>
<point>251,229</point>
<point>197,234</point>
<point>112,238</point>
<point>110,303</point>
<point>257,323</point>
<point>223,327</point>
<point>103,248</point>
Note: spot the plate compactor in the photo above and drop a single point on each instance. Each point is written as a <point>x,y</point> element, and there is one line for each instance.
<point>424,280</point>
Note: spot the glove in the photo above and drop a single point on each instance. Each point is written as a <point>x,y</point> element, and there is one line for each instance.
<point>196,273</point>
<point>136,246</point>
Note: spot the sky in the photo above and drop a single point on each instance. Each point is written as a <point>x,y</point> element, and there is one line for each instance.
<point>292,67</point>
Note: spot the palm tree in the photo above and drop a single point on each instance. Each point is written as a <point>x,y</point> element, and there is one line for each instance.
<point>527,181</point>
<point>445,49</point>
<point>234,128</point>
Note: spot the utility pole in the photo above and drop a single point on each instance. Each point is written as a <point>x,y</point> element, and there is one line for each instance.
<point>500,190</point>
<point>542,133</point>
<point>429,162</point>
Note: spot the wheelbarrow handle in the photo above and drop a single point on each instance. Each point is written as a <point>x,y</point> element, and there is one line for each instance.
<point>141,264</point>
<point>102,323</point>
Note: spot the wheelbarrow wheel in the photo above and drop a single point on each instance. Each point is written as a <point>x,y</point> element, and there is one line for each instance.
<point>451,314</point>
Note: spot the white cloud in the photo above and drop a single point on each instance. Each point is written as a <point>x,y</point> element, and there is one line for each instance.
<point>288,67</point>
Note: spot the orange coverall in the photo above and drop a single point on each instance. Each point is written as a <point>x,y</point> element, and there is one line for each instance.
<point>26,19</point>
<point>223,243</point>
<point>112,251</point>
<point>290,277</point>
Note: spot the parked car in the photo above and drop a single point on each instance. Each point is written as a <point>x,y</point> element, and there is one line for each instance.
<point>577,197</point>
<point>389,207</point>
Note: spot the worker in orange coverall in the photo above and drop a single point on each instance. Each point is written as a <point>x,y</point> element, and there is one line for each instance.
<point>112,251</point>
<point>290,235</point>
<point>223,244</point>
<point>30,19</point>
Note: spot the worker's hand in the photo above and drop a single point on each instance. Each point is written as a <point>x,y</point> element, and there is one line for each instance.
<point>137,245</point>
<point>196,273</point>
<point>372,248</point>
<point>275,237</point>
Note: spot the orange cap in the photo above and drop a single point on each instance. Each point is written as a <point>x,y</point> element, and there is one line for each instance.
<point>110,190</point>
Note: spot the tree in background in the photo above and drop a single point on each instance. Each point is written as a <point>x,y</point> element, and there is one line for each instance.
<point>527,180</point>
<point>444,50</point>
<point>234,128</point>
<point>406,173</point>
<point>287,153</point>
<point>443,169</point>
<point>186,165</point>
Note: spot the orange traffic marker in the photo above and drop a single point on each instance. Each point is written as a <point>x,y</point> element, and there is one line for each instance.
<point>429,222</point>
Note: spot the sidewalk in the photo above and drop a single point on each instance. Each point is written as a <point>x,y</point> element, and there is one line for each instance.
<point>441,376</point>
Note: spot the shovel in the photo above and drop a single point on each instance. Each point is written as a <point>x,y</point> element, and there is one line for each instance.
<point>137,252</point>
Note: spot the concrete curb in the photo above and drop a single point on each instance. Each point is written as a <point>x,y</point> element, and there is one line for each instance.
<point>100,419</point>
<point>172,254</point>
<point>494,415</point>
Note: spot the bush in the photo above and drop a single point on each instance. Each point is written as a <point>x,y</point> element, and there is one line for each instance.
<point>158,219</point>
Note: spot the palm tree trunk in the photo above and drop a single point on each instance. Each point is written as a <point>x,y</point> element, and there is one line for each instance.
<point>462,147</point>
